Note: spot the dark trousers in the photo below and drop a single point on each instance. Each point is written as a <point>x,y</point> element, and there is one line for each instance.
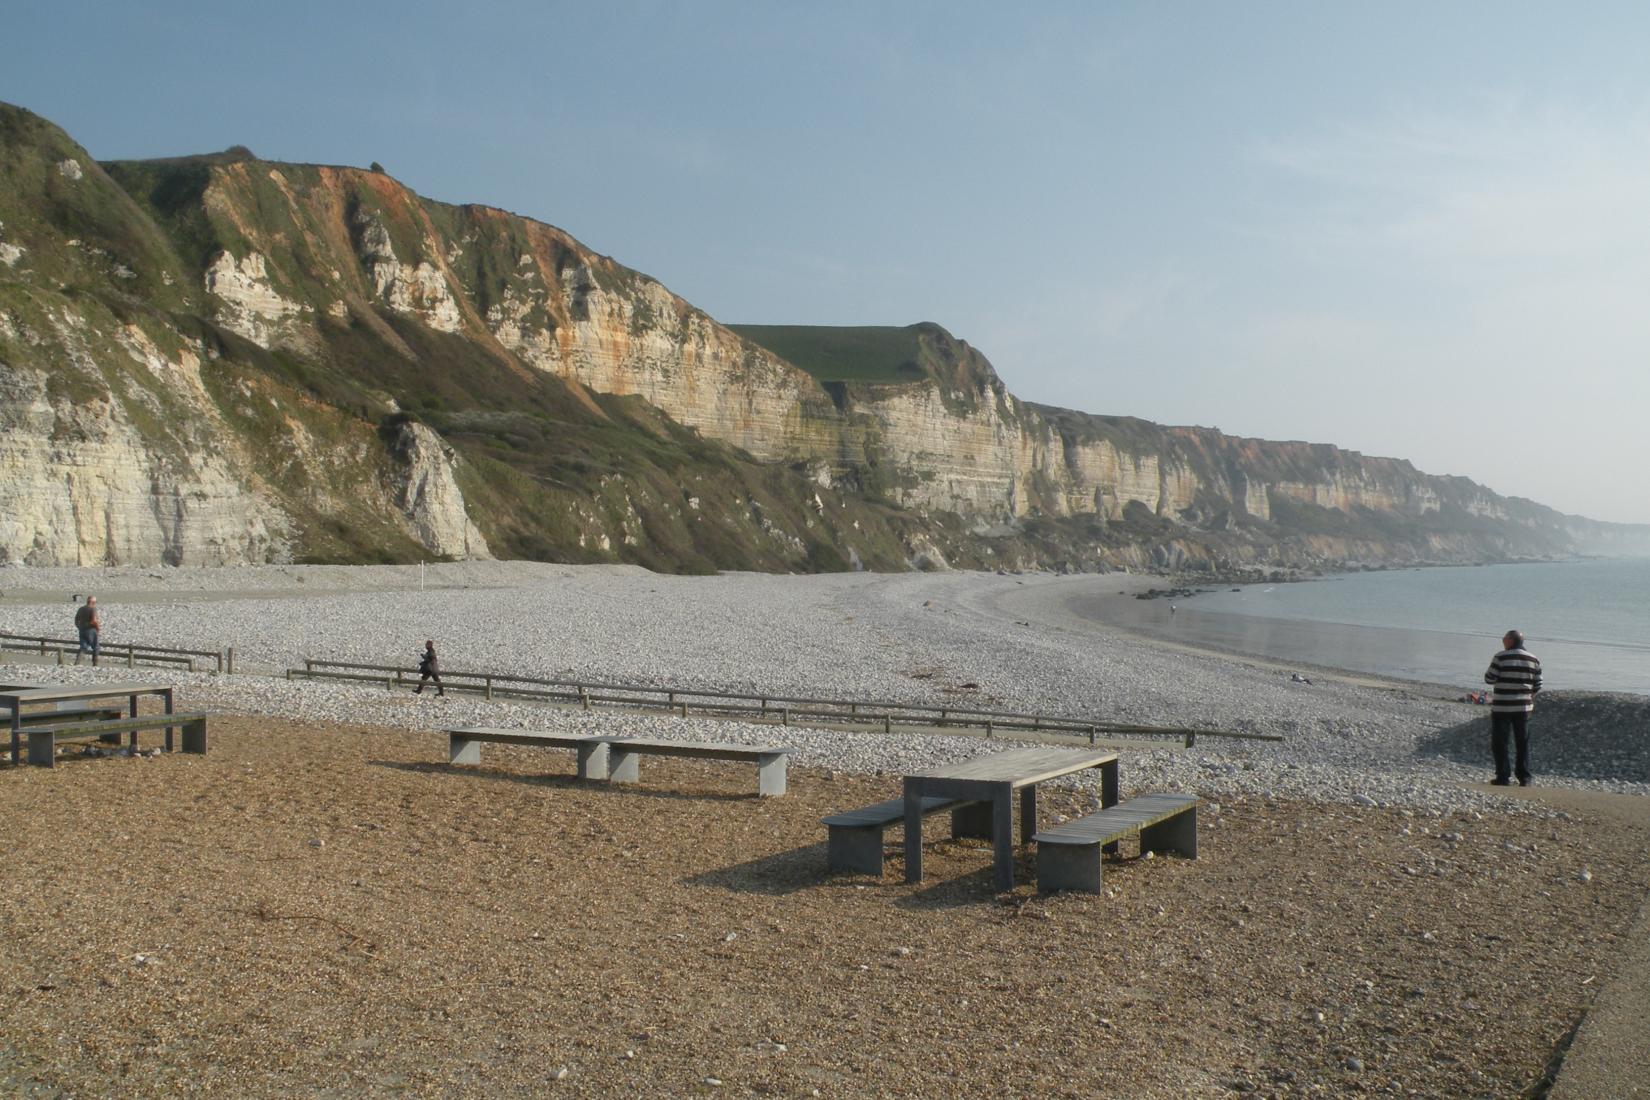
<point>1517,724</point>
<point>426,674</point>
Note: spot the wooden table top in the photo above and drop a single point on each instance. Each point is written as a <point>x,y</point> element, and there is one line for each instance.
<point>1019,767</point>
<point>59,692</point>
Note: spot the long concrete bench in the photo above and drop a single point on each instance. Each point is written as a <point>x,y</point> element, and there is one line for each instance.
<point>625,754</point>
<point>464,746</point>
<point>43,739</point>
<point>1068,856</point>
<point>853,840</point>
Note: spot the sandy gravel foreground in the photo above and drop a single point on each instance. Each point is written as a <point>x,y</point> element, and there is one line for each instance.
<point>327,910</point>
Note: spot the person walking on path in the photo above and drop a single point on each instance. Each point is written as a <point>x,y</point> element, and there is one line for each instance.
<point>87,624</point>
<point>1516,677</point>
<point>429,668</point>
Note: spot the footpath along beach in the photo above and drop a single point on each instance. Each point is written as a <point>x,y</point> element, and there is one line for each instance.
<point>1367,914</point>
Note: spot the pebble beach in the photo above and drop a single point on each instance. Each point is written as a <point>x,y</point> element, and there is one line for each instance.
<point>1006,642</point>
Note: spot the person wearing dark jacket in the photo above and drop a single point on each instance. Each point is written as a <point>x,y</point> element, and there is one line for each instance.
<point>1516,676</point>
<point>429,668</point>
<point>88,624</point>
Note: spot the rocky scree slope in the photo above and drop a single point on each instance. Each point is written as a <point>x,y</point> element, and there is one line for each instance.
<point>220,359</point>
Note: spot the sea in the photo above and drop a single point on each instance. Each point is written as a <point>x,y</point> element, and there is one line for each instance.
<point>1587,620</point>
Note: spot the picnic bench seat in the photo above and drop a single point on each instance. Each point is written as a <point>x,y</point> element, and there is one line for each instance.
<point>464,746</point>
<point>43,739</point>
<point>1068,856</point>
<point>625,753</point>
<point>67,714</point>
<point>853,840</point>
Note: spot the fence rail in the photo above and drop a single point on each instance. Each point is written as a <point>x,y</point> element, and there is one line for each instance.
<point>786,708</point>
<point>134,653</point>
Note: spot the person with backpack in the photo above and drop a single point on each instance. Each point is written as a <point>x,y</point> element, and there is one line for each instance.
<point>429,668</point>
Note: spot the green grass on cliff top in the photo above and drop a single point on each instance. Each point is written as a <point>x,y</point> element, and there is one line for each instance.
<point>870,353</point>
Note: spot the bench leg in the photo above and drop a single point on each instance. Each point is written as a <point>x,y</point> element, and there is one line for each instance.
<point>770,775</point>
<point>43,750</point>
<point>854,848</point>
<point>593,761</point>
<point>1177,834</point>
<point>971,819</point>
<point>462,750</point>
<point>622,766</point>
<point>1068,867</point>
<point>194,737</point>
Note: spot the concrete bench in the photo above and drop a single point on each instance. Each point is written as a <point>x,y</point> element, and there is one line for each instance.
<point>1068,856</point>
<point>853,840</point>
<point>69,714</point>
<point>625,754</point>
<point>43,739</point>
<point>464,746</point>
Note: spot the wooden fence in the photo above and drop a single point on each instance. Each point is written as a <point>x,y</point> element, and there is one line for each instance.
<point>784,708</point>
<point>133,654</point>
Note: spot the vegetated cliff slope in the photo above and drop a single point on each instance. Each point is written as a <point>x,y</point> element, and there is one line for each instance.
<point>222,359</point>
<point>217,359</point>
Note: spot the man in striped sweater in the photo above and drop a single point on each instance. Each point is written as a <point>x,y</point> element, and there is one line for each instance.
<point>1516,675</point>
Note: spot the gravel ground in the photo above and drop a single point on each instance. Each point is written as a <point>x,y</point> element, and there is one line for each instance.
<point>321,907</point>
<point>327,909</point>
<point>1000,641</point>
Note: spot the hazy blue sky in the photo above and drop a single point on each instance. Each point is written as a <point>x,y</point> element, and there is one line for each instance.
<point>1419,230</point>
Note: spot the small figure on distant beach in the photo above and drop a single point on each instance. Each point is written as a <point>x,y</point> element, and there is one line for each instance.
<point>429,668</point>
<point>1516,676</point>
<point>87,624</point>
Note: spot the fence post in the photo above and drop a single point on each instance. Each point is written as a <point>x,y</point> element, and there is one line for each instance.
<point>59,657</point>
<point>131,657</point>
<point>887,723</point>
<point>684,710</point>
<point>43,649</point>
<point>584,696</point>
<point>764,708</point>
<point>488,682</point>
<point>289,675</point>
<point>1091,735</point>
<point>230,662</point>
<point>1191,738</point>
<point>784,716</point>
<point>988,727</point>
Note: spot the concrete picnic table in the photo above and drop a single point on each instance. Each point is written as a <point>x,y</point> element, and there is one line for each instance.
<point>15,698</point>
<point>992,779</point>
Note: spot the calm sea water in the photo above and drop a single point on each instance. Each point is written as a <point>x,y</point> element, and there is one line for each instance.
<point>1588,621</point>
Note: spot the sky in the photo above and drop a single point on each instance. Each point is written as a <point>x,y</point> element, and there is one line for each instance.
<point>1409,229</point>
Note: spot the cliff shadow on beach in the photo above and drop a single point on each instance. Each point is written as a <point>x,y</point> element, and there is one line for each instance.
<point>1578,735</point>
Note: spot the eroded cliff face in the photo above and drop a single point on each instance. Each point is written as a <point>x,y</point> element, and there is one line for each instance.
<point>80,485</point>
<point>220,359</point>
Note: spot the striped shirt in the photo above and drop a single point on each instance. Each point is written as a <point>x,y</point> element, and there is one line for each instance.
<point>1516,675</point>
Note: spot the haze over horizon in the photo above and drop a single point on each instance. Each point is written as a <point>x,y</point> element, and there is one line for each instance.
<point>1416,232</point>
